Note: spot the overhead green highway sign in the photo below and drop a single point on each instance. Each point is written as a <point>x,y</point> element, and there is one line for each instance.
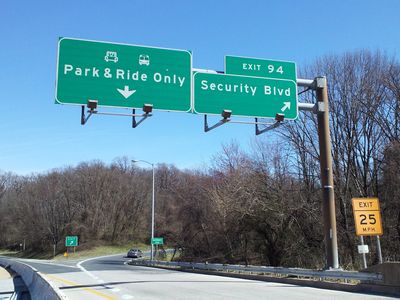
<point>71,241</point>
<point>122,75</point>
<point>244,95</point>
<point>260,67</point>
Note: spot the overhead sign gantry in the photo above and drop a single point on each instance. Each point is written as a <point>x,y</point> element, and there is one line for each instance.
<point>92,74</point>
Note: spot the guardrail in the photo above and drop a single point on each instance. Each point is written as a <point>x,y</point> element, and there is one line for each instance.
<point>331,274</point>
<point>39,287</point>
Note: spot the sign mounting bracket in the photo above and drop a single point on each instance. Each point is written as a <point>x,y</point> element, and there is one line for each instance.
<point>143,117</point>
<point>278,121</point>
<point>92,110</point>
<point>226,114</point>
<point>85,118</point>
<point>226,119</point>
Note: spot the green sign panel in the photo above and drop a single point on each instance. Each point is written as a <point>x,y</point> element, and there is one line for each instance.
<point>244,96</point>
<point>157,241</point>
<point>71,241</point>
<point>260,67</point>
<point>123,75</point>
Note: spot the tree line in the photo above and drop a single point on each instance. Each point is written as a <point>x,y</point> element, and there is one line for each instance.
<point>259,206</point>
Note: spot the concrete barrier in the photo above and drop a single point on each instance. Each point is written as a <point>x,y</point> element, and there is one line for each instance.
<point>38,286</point>
<point>391,277</point>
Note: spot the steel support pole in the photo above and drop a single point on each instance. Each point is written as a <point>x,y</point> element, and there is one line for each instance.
<point>152,218</point>
<point>328,203</point>
<point>364,257</point>
<point>378,249</point>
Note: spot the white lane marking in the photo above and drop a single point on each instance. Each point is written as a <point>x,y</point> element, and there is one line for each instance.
<point>115,290</point>
<point>86,271</point>
<point>127,297</point>
<point>79,265</point>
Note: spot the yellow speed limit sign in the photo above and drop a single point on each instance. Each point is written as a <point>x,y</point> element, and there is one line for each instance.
<point>367,216</point>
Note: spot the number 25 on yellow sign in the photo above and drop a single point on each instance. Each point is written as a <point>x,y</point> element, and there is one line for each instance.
<point>367,216</point>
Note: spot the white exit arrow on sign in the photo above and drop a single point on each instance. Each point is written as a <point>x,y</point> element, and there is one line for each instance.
<point>126,92</point>
<point>286,106</point>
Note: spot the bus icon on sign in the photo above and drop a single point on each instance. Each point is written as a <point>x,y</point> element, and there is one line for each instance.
<point>144,60</point>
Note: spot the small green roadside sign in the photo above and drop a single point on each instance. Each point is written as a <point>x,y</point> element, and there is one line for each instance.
<point>260,67</point>
<point>244,95</point>
<point>157,241</point>
<point>71,241</point>
<point>122,75</point>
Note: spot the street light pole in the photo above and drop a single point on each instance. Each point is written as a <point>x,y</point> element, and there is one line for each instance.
<point>152,205</point>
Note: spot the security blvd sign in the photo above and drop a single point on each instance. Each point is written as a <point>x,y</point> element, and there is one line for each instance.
<point>260,67</point>
<point>367,216</point>
<point>244,95</point>
<point>71,241</point>
<point>123,75</point>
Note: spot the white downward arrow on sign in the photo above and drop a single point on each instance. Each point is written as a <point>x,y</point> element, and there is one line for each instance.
<point>126,92</point>
<point>286,106</point>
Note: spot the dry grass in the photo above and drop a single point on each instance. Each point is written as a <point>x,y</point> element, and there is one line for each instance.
<point>99,251</point>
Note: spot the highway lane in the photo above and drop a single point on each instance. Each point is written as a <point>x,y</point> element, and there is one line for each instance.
<point>111,278</point>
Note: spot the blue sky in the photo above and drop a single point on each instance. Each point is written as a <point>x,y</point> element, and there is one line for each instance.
<point>37,135</point>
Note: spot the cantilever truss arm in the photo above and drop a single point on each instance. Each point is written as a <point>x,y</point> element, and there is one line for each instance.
<point>208,128</point>
<point>92,111</point>
<point>270,127</point>
<point>85,118</point>
<point>143,117</point>
<point>278,121</point>
<point>226,118</point>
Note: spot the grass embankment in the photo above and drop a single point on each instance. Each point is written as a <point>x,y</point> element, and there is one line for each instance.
<point>5,252</point>
<point>24,254</point>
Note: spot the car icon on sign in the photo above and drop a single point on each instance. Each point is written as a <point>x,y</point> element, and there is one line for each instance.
<point>144,60</point>
<point>111,56</point>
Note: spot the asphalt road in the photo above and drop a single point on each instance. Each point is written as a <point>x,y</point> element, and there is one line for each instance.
<point>111,278</point>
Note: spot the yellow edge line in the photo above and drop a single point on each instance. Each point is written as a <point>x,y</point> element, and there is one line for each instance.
<point>84,288</point>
